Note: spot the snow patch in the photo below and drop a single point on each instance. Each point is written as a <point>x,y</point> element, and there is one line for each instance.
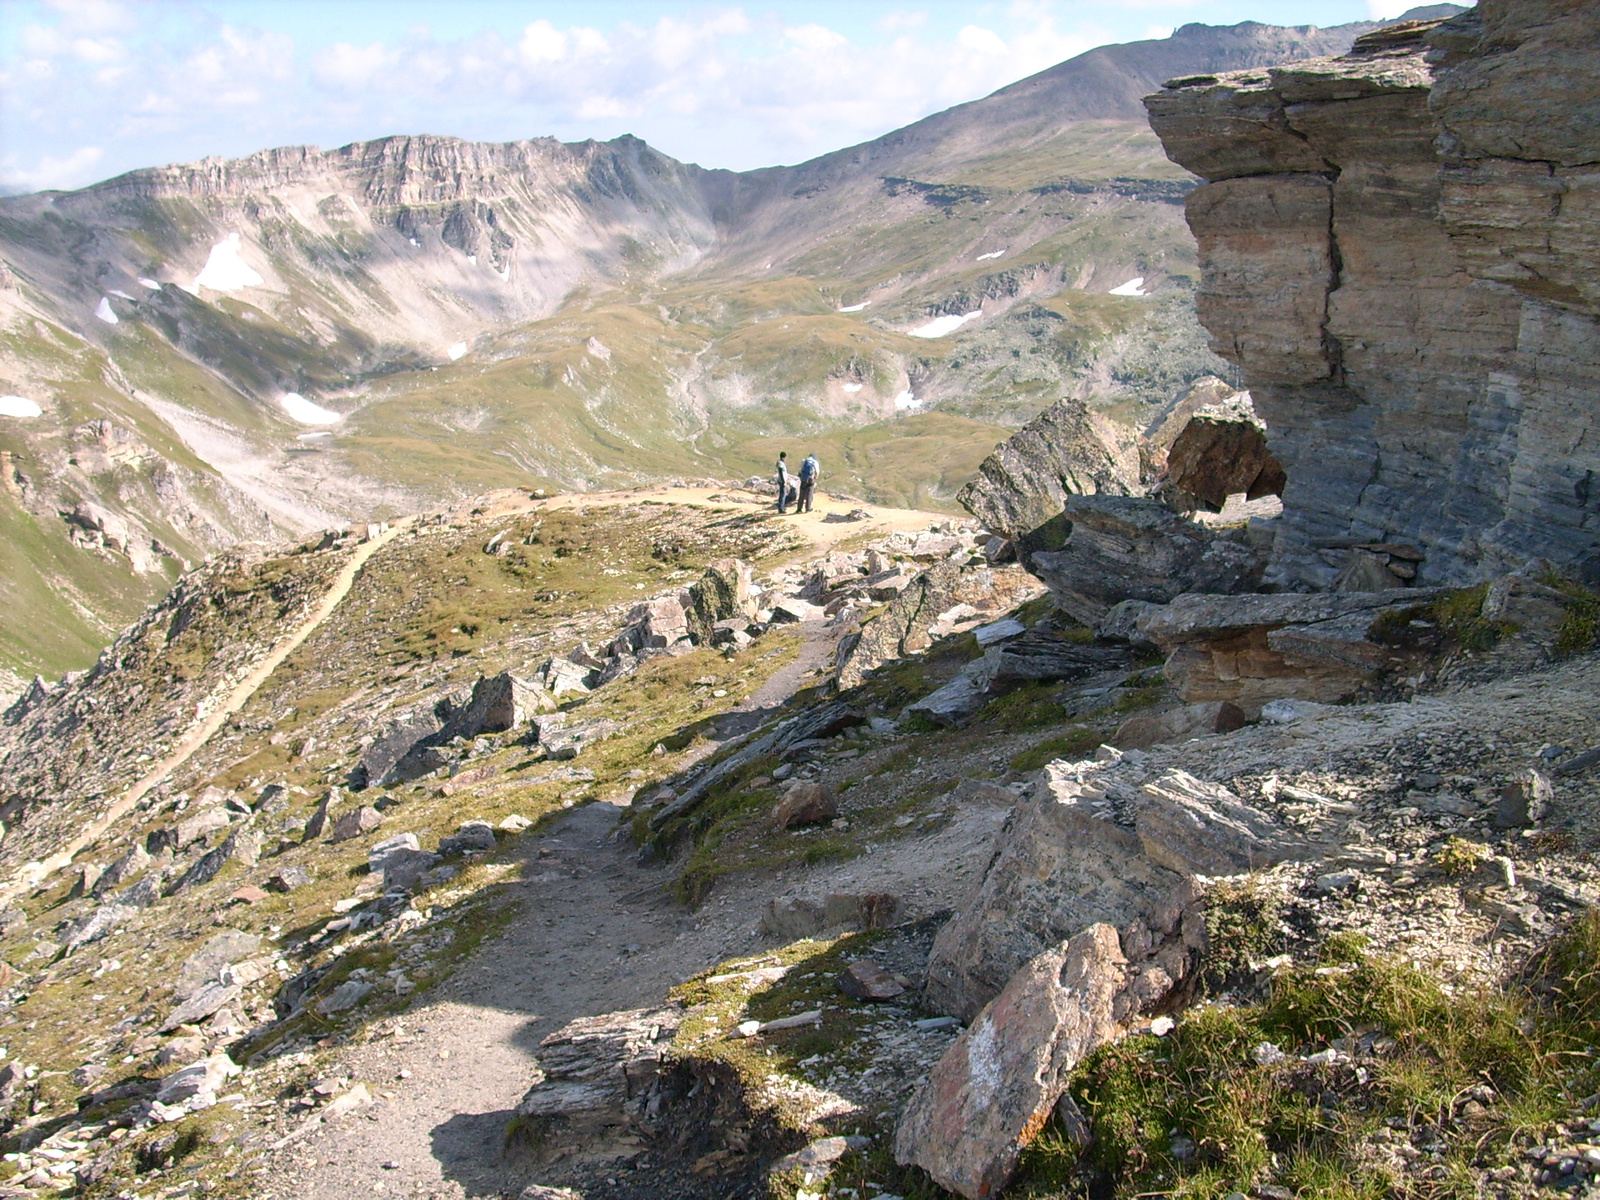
<point>153,284</point>
<point>19,406</point>
<point>123,295</point>
<point>103,311</point>
<point>473,259</point>
<point>991,254</point>
<point>1134,287</point>
<point>852,388</point>
<point>306,413</point>
<point>505,276</point>
<point>907,400</point>
<point>225,270</point>
<point>311,437</point>
<point>598,348</point>
<point>855,307</point>
<point>456,351</point>
<point>414,241</point>
<point>940,326</point>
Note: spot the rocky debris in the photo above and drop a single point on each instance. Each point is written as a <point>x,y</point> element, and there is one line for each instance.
<point>355,822</point>
<point>1525,801</point>
<point>1252,649</point>
<point>400,861</point>
<point>563,739</point>
<point>1105,549</point>
<point>805,803</point>
<point>243,844</point>
<point>498,703</point>
<point>1097,841</point>
<point>470,837</point>
<point>596,1079</point>
<point>95,925</point>
<point>817,722</point>
<point>317,823</point>
<point>538,1191</point>
<point>1031,655</point>
<point>195,1087</point>
<point>815,1161</point>
<point>1406,404</point>
<point>908,625</point>
<point>864,980</point>
<point>1221,452</point>
<point>1067,450</point>
<point>994,1088</point>
<point>289,878</point>
<point>193,829</point>
<point>1143,730</point>
<point>88,876</point>
<point>205,1000</point>
<point>206,965</point>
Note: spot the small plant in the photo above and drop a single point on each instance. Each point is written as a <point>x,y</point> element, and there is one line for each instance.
<point>1243,927</point>
<point>1459,856</point>
<point>1580,624</point>
<point>1078,742</point>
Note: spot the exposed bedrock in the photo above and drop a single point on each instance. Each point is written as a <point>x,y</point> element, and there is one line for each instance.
<point>1398,250</point>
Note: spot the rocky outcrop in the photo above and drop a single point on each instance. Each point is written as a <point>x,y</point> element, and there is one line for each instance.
<point>1064,451</point>
<point>1097,842</point>
<point>1220,452</point>
<point>1397,247</point>
<point>1102,550</point>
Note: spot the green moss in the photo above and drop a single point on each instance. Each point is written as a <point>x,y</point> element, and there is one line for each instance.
<point>1079,742</point>
<point>1243,929</point>
<point>1579,630</point>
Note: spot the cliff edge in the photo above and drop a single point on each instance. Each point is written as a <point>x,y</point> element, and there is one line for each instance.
<point>1397,248</point>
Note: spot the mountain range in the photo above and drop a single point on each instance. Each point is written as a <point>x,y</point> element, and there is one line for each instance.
<point>243,350</point>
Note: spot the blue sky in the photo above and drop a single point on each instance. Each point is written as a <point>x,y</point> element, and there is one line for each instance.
<point>92,88</point>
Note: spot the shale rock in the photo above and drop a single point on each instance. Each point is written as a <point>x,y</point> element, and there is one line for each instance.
<point>1102,550</point>
<point>1065,451</point>
<point>355,822</point>
<point>205,965</point>
<point>1221,452</point>
<point>994,1088</point>
<point>1143,730</point>
<point>1384,256</point>
<point>1525,801</point>
<point>594,1082</point>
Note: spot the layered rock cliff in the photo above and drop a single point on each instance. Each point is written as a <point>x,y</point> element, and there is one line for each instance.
<point>1398,247</point>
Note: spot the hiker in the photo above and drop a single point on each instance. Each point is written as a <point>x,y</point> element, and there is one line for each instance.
<point>810,472</point>
<point>785,491</point>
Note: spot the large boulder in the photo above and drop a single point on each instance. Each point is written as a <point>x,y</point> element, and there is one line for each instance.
<point>1067,450</point>
<point>1170,421</point>
<point>1094,842</point>
<point>724,591</point>
<point>1221,452</point>
<point>498,703</point>
<point>1102,550</point>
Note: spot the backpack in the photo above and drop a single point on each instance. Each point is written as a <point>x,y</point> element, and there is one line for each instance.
<point>808,470</point>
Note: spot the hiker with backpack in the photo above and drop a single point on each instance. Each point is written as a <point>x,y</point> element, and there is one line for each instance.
<point>810,472</point>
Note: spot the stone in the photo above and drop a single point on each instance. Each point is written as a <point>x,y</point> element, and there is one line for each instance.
<point>344,997</point>
<point>805,803</point>
<point>205,1000</point>
<point>1290,712</point>
<point>792,611</point>
<point>995,1087</point>
<point>515,823</point>
<point>200,825</point>
<point>1254,648</point>
<point>1121,623</point>
<point>909,623</point>
<point>999,631</point>
<point>954,703</point>
<point>1101,550</point>
<point>182,1049</point>
<point>1384,259</point>
<point>471,836</point>
<point>725,591</point>
<point>206,964</point>
<point>998,550</point>
<point>1067,450</point>
<point>538,1191</point>
<point>1337,881</point>
<point>355,822</point>
<point>865,980</point>
<point>1143,730</point>
<point>658,623</point>
<point>131,863</point>
<point>1221,452</point>
<point>1525,801</point>
<point>1065,860</point>
<point>205,1076</point>
<point>380,762</point>
<point>814,1160</point>
<point>792,918</point>
<point>317,823</point>
<point>88,876</point>
<point>96,925</point>
<point>243,844</point>
<point>272,799</point>
<point>594,1081</point>
<point>498,703</point>
<point>289,878</point>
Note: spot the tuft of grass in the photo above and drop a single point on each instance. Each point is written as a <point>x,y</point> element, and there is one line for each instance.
<point>1420,1052</point>
<point>1455,618</point>
<point>1459,856</point>
<point>1244,926</point>
<point>1078,742</point>
<point>1579,630</point>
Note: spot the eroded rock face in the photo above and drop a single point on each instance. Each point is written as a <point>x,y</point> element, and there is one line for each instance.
<point>1397,248</point>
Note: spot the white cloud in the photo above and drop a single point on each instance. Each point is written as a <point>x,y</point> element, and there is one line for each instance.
<point>542,42</point>
<point>816,37</point>
<point>342,65</point>
<point>980,40</point>
<point>72,171</point>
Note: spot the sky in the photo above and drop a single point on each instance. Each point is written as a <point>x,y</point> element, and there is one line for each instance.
<point>92,88</point>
